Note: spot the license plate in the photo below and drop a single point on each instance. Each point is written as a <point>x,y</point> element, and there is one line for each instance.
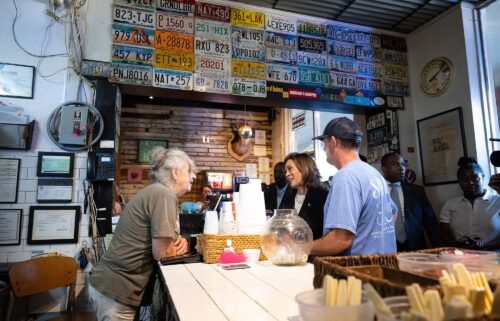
<point>173,79</point>
<point>281,56</point>
<point>95,68</point>
<point>247,18</point>
<point>394,57</point>
<point>312,45</point>
<point>281,41</point>
<point>367,39</point>
<point>173,60</point>
<point>309,59</point>
<point>395,102</point>
<point>212,28</point>
<point>131,74</point>
<point>249,87</point>
<point>342,80</point>
<point>342,64</point>
<point>212,84</point>
<point>395,88</point>
<point>241,34</point>
<point>311,29</point>
<point>134,16</point>
<point>182,6</point>
<point>341,48</point>
<point>175,23</point>
<point>281,24</point>
<point>395,73</point>
<point>377,136</point>
<point>174,41</point>
<point>213,12</point>
<point>377,152</point>
<point>212,47</point>
<point>375,121</point>
<point>393,43</point>
<point>368,54</point>
<point>369,69</point>
<point>369,84</point>
<point>248,51</point>
<point>130,54</point>
<point>340,34</point>
<point>248,69</point>
<point>282,73</point>
<point>312,76</point>
<point>130,35</point>
<point>209,65</point>
<point>144,4</point>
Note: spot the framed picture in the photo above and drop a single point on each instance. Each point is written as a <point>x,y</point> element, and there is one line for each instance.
<point>54,190</point>
<point>145,146</point>
<point>9,179</point>
<point>10,226</point>
<point>53,224</point>
<point>17,80</point>
<point>52,164</point>
<point>441,140</point>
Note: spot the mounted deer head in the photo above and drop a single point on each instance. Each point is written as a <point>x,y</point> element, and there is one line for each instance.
<point>240,145</point>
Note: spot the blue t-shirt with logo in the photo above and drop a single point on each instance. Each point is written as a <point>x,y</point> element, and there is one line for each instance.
<point>359,201</point>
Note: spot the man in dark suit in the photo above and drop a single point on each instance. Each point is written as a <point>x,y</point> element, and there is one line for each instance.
<point>415,213</point>
<point>273,194</point>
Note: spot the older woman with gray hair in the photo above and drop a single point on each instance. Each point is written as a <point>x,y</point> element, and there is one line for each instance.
<point>147,231</point>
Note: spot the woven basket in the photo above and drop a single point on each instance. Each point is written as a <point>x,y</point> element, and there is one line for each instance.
<point>211,245</point>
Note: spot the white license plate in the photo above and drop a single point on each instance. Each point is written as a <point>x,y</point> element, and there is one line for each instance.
<point>212,84</point>
<point>281,56</point>
<point>369,69</point>
<point>375,121</point>
<point>130,54</point>
<point>282,73</point>
<point>394,57</point>
<point>342,64</point>
<point>212,28</point>
<point>395,88</point>
<point>313,76</point>
<point>249,87</point>
<point>131,74</point>
<point>394,101</point>
<point>173,79</point>
<point>134,16</point>
<point>395,73</point>
<point>367,39</point>
<point>342,80</point>
<point>131,35</point>
<point>341,48</point>
<point>309,59</point>
<point>276,40</point>
<point>340,33</point>
<point>369,84</point>
<point>181,6</point>
<point>281,24</point>
<point>368,54</point>
<point>175,23</point>
<point>210,65</point>
<point>248,51</point>
<point>212,47</point>
<point>312,44</point>
<point>241,34</point>
<point>145,4</point>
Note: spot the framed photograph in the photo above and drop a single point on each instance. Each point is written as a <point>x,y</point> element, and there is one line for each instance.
<point>145,146</point>
<point>17,80</point>
<point>10,226</point>
<point>53,224</point>
<point>9,179</point>
<point>52,164</point>
<point>441,139</point>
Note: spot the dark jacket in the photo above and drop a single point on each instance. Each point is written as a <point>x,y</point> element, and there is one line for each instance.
<point>312,208</point>
<point>271,196</point>
<point>419,217</point>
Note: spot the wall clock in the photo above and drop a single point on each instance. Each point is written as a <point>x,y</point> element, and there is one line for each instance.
<point>436,76</point>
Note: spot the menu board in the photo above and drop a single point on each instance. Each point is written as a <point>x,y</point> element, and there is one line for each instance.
<point>216,48</point>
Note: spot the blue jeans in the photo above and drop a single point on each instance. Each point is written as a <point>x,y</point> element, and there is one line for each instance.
<point>108,309</point>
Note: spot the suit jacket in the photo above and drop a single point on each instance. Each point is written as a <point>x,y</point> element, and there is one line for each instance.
<point>312,208</point>
<point>271,196</point>
<point>419,217</point>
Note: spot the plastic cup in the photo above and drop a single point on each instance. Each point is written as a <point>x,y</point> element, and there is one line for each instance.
<point>211,223</point>
<point>252,255</point>
<point>398,305</point>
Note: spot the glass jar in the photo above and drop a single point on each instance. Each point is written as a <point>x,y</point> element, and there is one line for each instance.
<point>288,238</point>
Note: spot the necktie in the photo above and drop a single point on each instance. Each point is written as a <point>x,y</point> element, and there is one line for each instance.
<point>399,225</point>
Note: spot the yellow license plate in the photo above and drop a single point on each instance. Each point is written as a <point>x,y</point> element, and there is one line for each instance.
<point>174,41</point>
<point>247,18</point>
<point>247,69</point>
<point>173,60</point>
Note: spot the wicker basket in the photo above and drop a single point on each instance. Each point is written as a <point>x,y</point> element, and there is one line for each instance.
<point>211,245</point>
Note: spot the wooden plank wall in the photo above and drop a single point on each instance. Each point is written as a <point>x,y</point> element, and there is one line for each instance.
<point>184,128</point>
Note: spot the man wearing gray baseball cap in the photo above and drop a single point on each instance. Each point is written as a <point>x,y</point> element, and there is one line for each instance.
<point>359,213</point>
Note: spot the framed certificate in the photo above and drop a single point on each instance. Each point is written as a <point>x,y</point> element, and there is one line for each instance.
<point>52,164</point>
<point>17,80</point>
<point>9,179</point>
<point>10,226</point>
<point>53,224</point>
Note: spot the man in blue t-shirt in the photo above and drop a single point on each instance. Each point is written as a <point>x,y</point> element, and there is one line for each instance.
<point>359,213</point>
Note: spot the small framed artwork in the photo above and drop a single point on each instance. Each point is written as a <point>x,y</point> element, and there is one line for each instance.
<point>10,226</point>
<point>145,146</point>
<point>17,80</point>
<point>52,164</point>
<point>9,179</point>
<point>53,224</point>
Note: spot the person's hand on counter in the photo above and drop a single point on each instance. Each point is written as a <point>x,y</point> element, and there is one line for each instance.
<point>181,245</point>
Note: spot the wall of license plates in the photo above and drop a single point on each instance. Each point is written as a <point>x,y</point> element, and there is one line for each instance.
<point>207,47</point>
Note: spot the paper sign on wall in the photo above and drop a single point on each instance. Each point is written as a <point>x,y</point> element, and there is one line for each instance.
<point>263,164</point>
<point>260,137</point>
<point>259,150</point>
<point>251,170</point>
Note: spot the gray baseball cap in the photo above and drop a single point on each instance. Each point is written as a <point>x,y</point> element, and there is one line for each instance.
<point>344,128</point>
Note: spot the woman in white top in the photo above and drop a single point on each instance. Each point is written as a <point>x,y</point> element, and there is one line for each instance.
<point>467,220</point>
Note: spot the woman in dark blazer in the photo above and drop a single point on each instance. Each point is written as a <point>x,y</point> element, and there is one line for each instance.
<point>308,196</point>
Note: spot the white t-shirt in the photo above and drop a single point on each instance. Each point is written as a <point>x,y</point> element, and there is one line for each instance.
<point>299,200</point>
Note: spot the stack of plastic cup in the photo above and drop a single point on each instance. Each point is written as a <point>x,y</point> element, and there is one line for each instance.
<point>251,208</point>
<point>211,223</point>
<point>227,224</point>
